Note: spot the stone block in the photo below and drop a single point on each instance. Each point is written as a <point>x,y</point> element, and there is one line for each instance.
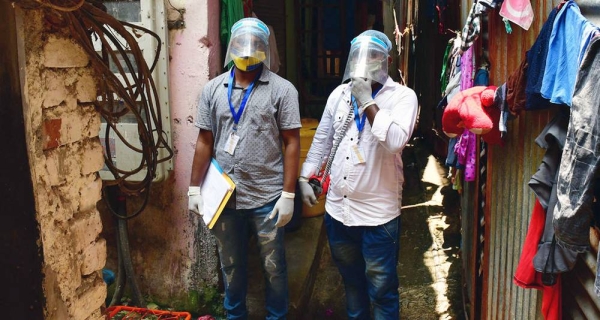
<point>93,257</point>
<point>61,166</point>
<point>63,53</point>
<point>89,301</point>
<point>53,177</point>
<point>69,123</point>
<point>85,229</point>
<point>86,88</point>
<point>90,193</point>
<point>92,157</point>
<point>55,92</point>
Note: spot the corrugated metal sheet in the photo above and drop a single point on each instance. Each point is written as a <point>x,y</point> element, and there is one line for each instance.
<point>510,204</point>
<point>468,247</point>
<point>579,299</point>
<point>465,7</point>
<point>510,168</point>
<point>510,199</point>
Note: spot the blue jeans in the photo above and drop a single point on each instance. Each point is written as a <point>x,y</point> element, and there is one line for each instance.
<point>580,158</point>
<point>232,234</point>
<point>367,259</point>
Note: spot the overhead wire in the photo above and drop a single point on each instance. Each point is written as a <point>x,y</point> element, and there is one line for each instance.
<point>61,8</point>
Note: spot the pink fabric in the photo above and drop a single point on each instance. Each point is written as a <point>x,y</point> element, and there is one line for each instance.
<point>466,110</point>
<point>518,11</point>
<point>467,69</point>
<point>465,150</point>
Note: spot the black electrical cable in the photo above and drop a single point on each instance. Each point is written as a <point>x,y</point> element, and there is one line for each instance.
<point>135,91</point>
<point>134,94</point>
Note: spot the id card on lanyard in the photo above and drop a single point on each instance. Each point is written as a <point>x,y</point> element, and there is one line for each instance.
<point>233,139</point>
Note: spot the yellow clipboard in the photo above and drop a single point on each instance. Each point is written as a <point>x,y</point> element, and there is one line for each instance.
<point>216,188</point>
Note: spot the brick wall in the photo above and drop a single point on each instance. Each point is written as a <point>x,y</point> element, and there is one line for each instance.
<point>64,154</point>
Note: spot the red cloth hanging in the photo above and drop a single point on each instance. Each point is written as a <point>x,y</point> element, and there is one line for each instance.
<point>527,277</point>
<point>247,8</point>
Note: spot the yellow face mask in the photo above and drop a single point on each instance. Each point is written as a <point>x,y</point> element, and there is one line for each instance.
<point>248,63</point>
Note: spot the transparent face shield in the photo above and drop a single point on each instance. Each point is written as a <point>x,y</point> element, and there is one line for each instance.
<point>248,47</point>
<point>367,59</point>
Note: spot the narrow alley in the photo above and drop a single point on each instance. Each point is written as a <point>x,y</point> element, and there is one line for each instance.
<point>429,267</point>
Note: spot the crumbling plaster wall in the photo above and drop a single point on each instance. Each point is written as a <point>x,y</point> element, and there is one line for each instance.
<point>65,154</point>
<point>172,252</point>
<point>195,59</point>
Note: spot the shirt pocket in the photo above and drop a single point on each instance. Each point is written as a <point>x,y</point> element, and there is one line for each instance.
<point>263,145</point>
<point>340,116</point>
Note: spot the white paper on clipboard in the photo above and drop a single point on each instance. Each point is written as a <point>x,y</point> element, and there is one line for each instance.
<point>216,188</point>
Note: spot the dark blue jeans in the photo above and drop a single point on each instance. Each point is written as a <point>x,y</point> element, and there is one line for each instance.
<point>580,158</point>
<point>232,234</point>
<point>367,259</point>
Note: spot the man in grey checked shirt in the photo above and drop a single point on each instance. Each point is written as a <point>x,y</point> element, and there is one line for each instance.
<point>249,122</point>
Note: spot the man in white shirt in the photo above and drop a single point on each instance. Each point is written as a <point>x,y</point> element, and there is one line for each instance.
<point>370,119</point>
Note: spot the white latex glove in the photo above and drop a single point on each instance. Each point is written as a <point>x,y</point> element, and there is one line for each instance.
<point>307,193</point>
<point>195,201</point>
<point>361,90</point>
<point>284,209</point>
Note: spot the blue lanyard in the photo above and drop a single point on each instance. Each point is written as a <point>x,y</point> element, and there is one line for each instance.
<point>238,115</point>
<point>360,121</point>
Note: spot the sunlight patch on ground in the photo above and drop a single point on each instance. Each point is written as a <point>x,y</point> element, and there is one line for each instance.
<point>432,175</point>
<point>436,260</point>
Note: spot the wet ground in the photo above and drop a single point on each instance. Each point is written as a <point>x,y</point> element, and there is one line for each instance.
<point>430,267</point>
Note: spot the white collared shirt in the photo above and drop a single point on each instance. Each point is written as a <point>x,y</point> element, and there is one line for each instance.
<point>365,194</point>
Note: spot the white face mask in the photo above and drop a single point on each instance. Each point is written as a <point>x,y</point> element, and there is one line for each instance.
<point>370,70</point>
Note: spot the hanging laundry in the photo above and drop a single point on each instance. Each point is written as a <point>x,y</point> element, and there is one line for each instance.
<point>468,110</point>
<point>536,59</point>
<point>467,67</point>
<point>579,163</point>
<point>446,65</point>
<point>504,113</point>
<point>494,137</point>
<point>231,12</point>
<point>518,11</point>
<point>247,8</point>
<point>482,77</point>
<point>466,151</point>
<point>571,34</point>
<point>472,28</point>
<point>516,99</point>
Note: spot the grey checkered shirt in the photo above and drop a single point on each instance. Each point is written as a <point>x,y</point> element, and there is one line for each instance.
<point>256,166</point>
